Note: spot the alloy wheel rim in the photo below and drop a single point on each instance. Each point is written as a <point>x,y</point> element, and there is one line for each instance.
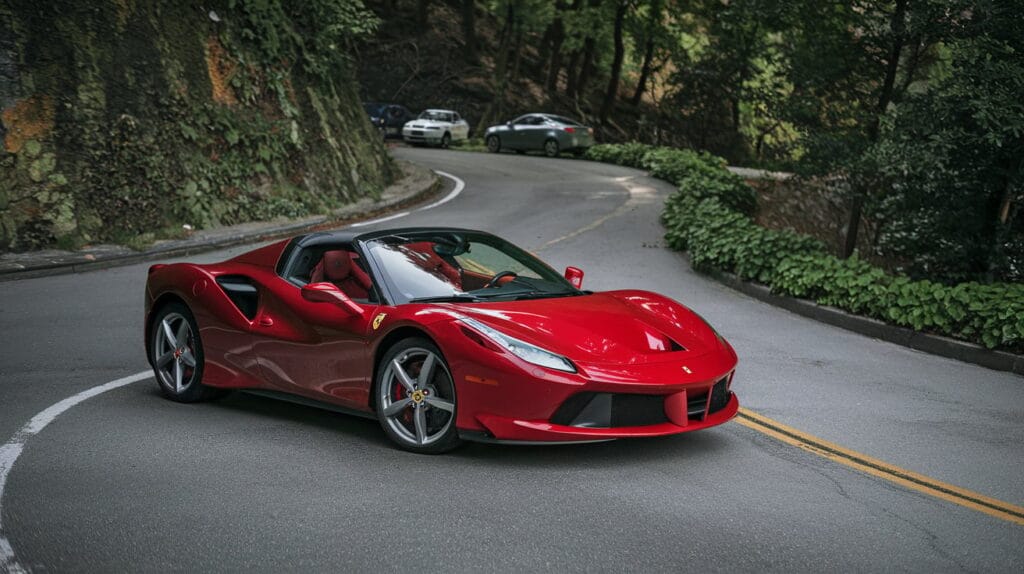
<point>417,396</point>
<point>492,143</point>
<point>174,353</point>
<point>551,148</point>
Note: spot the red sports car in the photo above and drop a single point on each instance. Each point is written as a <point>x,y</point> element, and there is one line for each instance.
<point>443,335</point>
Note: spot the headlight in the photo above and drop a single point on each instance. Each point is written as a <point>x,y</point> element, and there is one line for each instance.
<point>522,349</point>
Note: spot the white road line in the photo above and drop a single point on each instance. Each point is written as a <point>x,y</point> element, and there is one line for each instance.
<point>11,450</point>
<point>459,186</point>
<point>380,219</point>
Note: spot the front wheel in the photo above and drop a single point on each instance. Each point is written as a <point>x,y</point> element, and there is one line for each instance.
<point>493,144</point>
<point>551,148</point>
<point>446,140</point>
<point>176,354</point>
<point>415,396</point>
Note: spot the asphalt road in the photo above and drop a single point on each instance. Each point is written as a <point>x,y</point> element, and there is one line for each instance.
<point>129,481</point>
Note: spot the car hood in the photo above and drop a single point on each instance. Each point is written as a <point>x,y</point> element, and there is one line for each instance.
<point>427,124</point>
<point>615,327</point>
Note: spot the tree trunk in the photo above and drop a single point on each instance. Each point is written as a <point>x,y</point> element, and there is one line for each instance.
<point>469,30</point>
<point>586,67</point>
<point>898,27</point>
<point>645,72</point>
<point>422,15</point>
<point>571,76</point>
<point>496,110</point>
<point>555,62</point>
<point>620,51</point>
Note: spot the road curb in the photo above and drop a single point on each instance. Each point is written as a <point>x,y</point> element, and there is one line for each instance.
<point>934,344</point>
<point>416,192</point>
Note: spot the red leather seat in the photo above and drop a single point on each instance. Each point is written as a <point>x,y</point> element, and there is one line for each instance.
<point>338,268</point>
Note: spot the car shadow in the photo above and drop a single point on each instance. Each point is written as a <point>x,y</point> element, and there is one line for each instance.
<point>707,442</point>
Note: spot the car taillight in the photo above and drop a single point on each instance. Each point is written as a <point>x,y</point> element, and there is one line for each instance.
<point>569,130</point>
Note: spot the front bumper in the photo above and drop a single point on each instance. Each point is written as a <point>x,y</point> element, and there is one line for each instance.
<point>501,398</point>
<point>508,430</point>
<point>422,136</point>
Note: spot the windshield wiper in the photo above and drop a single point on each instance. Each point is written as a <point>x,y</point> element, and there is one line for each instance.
<point>547,294</point>
<point>453,298</point>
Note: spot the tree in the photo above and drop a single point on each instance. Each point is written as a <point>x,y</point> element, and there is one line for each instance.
<point>952,154</point>
<point>620,51</point>
<point>469,29</point>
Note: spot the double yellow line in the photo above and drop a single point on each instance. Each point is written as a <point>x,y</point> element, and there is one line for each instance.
<point>881,469</point>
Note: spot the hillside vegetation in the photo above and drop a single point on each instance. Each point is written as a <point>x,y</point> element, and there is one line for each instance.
<point>123,120</point>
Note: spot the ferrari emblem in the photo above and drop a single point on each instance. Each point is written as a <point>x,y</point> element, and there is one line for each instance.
<point>378,320</point>
<point>687,369</point>
<point>418,396</point>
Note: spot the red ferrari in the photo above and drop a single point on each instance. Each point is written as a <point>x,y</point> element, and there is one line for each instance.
<point>442,335</point>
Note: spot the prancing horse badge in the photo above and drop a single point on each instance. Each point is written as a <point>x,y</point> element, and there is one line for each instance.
<point>378,320</point>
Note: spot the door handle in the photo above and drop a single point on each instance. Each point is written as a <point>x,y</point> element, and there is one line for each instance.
<point>266,322</point>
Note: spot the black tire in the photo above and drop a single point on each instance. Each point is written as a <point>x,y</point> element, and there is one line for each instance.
<point>446,140</point>
<point>551,147</point>
<point>438,389</point>
<point>168,360</point>
<point>493,144</point>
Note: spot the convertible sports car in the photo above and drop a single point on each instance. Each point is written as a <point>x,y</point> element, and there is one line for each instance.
<point>442,335</point>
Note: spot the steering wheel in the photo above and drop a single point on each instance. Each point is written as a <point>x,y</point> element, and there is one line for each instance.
<point>494,280</point>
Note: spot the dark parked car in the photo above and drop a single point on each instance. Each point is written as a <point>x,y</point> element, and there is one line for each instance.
<point>541,132</point>
<point>388,118</point>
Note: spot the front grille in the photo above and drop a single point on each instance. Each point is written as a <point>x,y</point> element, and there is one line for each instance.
<point>606,410</point>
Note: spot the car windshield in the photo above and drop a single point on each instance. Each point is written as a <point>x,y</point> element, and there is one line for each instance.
<point>373,109</point>
<point>436,116</point>
<point>566,121</point>
<point>462,266</point>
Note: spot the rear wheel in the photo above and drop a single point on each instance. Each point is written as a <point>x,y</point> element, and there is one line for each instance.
<point>176,353</point>
<point>493,144</point>
<point>551,148</point>
<point>415,397</point>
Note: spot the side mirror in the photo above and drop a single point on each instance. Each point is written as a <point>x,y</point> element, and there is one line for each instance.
<point>329,293</point>
<point>510,124</point>
<point>575,276</point>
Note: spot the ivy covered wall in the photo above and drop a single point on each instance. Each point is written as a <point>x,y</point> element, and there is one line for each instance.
<point>123,120</point>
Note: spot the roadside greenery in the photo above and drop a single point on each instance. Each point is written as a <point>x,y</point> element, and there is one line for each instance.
<point>710,216</point>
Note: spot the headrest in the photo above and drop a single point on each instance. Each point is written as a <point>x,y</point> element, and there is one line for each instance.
<point>337,265</point>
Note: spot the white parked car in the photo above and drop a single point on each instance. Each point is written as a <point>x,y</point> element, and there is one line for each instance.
<point>436,127</point>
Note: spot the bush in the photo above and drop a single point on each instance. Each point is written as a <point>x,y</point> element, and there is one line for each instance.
<point>710,217</point>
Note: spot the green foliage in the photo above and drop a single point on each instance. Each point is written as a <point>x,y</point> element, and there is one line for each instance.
<point>953,161</point>
<point>719,236</point>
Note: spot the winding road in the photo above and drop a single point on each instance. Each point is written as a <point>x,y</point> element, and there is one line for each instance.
<point>129,481</point>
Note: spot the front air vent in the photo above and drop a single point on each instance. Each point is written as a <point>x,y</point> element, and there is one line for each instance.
<point>608,410</point>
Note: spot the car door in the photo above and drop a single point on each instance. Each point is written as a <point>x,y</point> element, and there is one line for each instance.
<point>515,136</point>
<point>313,349</point>
<point>460,129</point>
<point>534,134</point>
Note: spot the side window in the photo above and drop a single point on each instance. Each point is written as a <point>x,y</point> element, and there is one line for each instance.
<point>524,121</point>
<point>456,118</point>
